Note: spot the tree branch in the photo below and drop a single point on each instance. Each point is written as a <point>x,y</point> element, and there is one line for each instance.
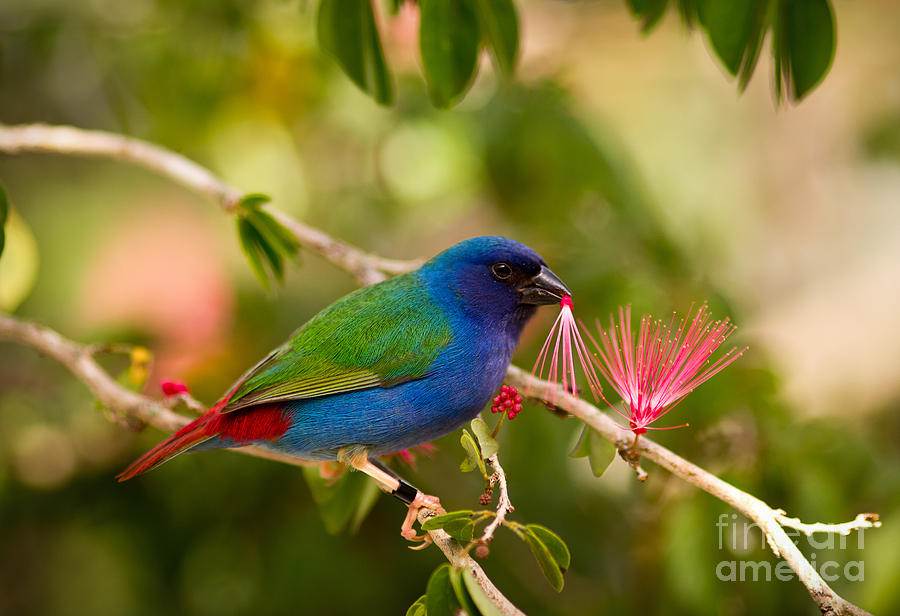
<point>860,522</point>
<point>504,505</point>
<point>367,269</point>
<point>124,403</point>
<point>768,519</point>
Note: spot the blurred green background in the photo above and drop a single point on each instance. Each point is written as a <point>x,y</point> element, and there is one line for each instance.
<point>629,162</point>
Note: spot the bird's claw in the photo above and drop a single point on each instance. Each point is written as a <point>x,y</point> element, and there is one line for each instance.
<point>421,501</point>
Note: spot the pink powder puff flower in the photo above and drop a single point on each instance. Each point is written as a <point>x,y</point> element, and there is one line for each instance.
<point>564,337</point>
<point>655,371</point>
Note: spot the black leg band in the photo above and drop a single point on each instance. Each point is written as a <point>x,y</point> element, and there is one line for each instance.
<point>405,492</point>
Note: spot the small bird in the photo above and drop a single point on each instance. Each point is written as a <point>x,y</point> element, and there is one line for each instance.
<point>385,368</point>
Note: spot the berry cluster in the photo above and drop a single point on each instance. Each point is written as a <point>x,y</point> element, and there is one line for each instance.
<point>507,401</point>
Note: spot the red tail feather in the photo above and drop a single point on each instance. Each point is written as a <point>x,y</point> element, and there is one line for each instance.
<point>190,435</point>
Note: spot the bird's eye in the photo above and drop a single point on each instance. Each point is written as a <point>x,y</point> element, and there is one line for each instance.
<point>501,270</point>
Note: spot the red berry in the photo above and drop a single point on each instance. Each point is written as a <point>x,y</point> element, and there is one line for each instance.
<point>173,388</point>
<point>518,398</point>
<point>517,408</point>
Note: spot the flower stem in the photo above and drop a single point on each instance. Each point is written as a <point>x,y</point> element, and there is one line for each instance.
<point>496,429</point>
<point>634,454</point>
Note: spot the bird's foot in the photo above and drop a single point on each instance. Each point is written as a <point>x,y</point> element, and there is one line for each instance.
<point>421,501</point>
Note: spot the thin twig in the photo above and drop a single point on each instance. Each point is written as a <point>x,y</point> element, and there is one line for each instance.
<point>457,555</point>
<point>860,522</point>
<point>829,602</point>
<point>367,268</point>
<point>504,506</point>
<point>124,403</point>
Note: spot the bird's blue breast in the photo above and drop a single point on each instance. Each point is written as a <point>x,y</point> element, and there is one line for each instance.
<point>459,383</point>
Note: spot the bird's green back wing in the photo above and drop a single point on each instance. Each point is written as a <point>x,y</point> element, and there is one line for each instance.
<point>377,336</point>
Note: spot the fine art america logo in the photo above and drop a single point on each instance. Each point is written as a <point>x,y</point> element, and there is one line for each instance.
<point>739,536</point>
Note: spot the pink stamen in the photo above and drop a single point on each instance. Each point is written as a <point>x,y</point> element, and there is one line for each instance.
<point>567,344</point>
<point>655,371</point>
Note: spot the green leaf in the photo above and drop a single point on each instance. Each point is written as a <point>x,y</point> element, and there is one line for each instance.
<point>557,547</point>
<point>485,606</point>
<point>271,253</point>
<point>486,442</point>
<point>439,521</point>
<point>264,240</point>
<point>276,234</point>
<point>650,11</point>
<point>449,37</point>
<point>347,30</point>
<point>583,446</point>
<point>461,530</point>
<point>602,453</point>
<point>343,503</point>
<point>731,28</point>
<point>545,559</point>
<point>599,452</point>
<point>500,25</point>
<point>417,608</point>
<point>440,599</point>
<point>252,201</point>
<point>804,45</point>
<point>462,595</point>
<point>250,245</point>
<point>473,456</point>
<point>4,215</point>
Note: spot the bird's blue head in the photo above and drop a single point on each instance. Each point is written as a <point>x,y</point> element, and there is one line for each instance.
<point>493,280</point>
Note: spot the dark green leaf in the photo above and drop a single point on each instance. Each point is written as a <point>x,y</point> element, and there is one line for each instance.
<point>4,215</point>
<point>252,201</point>
<point>731,27</point>
<point>650,11</point>
<point>440,599</point>
<point>347,30</point>
<point>558,548</point>
<point>486,442</point>
<point>484,604</point>
<point>601,454</point>
<point>449,37</point>
<point>473,455</point>
<point>461,530</point>
<point>274,232</point>
<point>273,257</point>
<point>500,25</point>
<point>438,521</point>
<point>804,45</point>
<point>343,503</point>
<point>583,446</point>
<point>250,244</point>
<point>689,10</point>
<point>546,561</point>
<point>462,595</point>
<point>598,450</point>
<point>417,608</point>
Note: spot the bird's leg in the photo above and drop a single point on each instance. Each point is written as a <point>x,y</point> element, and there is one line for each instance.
<point>414,498</point>
<point>393,484</point>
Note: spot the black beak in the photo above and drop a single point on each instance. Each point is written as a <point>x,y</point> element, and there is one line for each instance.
<point>543,288</point>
